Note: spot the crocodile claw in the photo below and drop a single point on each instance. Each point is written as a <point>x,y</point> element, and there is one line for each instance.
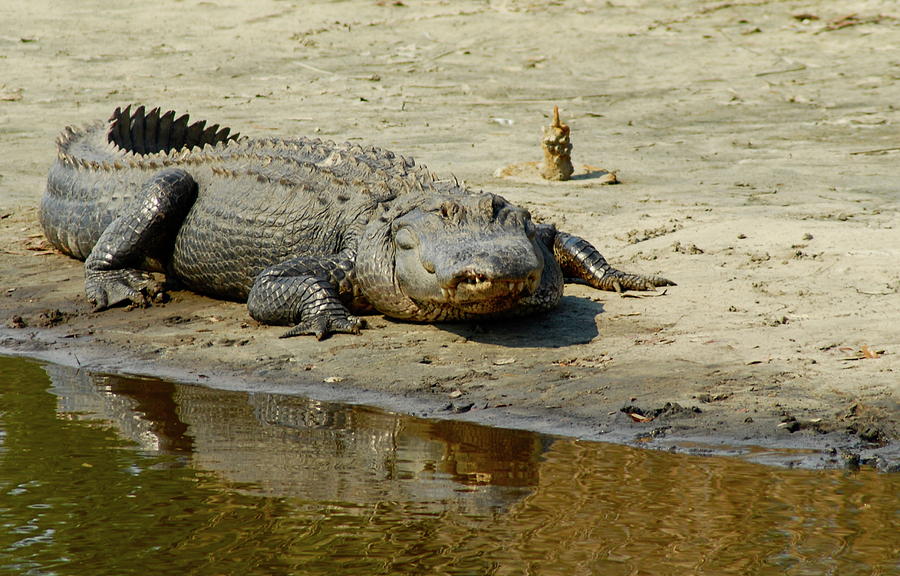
<point>323,326</point>
<point>106,288</point>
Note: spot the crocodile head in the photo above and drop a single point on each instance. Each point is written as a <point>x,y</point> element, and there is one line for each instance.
<point>450,256</point>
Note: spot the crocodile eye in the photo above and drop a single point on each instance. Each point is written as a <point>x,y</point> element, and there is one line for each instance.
<point>404,239</point>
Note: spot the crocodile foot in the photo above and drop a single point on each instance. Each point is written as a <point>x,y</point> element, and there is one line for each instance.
<point>106,288</point>
<point>620,282</point>
<point>323,325</point>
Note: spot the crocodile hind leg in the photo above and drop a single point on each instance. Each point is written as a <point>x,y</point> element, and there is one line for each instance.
<point>139,239</point>
<point>580,260</point>
<point>307,293</point>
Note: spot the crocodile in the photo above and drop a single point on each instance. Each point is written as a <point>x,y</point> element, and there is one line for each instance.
<point>309,233</point>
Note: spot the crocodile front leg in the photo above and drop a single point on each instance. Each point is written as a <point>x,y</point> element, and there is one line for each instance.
<point>580,260</point>
<point>140,239</point>
<point>308,292</point>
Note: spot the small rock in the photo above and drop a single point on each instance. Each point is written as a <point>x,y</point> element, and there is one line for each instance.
<point>690,249</point>
<point>462,408</point>
<point>790,425</point>
<point>851,460</point>
<point>873,435</point>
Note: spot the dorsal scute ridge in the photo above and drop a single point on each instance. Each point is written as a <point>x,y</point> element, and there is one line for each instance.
<point>156,132</point>
<point>152,139</point>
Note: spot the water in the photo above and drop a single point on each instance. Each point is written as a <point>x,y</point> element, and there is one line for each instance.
<point>113,475</point>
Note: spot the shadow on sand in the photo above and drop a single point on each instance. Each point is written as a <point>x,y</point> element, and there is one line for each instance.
<point>573,322</point>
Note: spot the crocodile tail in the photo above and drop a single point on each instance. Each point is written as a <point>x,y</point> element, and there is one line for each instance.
<point>150,132</point>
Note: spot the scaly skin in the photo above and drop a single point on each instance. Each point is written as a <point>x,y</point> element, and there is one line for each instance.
<point>309,233</point>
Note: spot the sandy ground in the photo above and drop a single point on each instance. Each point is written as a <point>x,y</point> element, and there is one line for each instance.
<point>759,153</point>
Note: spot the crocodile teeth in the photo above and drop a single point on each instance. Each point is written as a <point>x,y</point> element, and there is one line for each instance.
<point>482,285</point>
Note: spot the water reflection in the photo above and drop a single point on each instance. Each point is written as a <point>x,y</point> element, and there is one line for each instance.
<point>293,446</point>
<point>253,483</point>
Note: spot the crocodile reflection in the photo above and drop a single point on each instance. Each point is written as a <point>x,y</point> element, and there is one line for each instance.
<point>288,445</point>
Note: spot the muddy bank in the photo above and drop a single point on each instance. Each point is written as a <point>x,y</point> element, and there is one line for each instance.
<point>756,148</point>
<point>483,384</point>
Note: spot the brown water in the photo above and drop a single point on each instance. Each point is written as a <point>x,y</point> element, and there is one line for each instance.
<point>112,475</point>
